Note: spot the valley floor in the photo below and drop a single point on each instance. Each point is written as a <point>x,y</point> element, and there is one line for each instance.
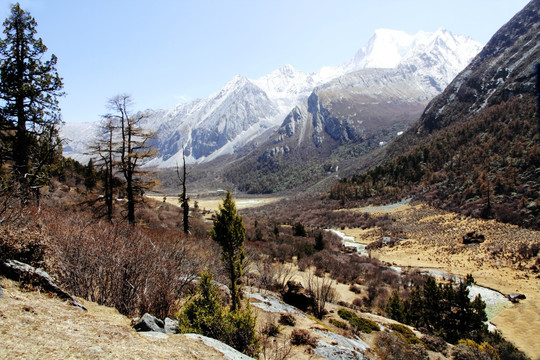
<point>433,239</point>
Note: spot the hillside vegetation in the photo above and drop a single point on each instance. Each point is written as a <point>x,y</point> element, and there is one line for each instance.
<point>487,167</point>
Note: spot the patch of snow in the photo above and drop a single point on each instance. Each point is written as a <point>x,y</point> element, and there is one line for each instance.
<point>227,351</point>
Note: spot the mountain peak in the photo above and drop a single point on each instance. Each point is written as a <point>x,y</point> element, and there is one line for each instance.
<point>388,48</point>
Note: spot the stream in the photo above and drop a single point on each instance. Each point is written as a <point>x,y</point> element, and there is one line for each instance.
<point>495,300</point>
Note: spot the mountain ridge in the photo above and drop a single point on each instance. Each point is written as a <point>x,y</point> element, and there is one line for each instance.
<point>233,117</point>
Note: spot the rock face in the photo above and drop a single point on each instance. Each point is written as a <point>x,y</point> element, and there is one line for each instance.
<point>504,68</point>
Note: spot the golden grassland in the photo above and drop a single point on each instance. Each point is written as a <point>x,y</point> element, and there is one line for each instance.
<point>35,325</point>
<point>433,239</point>
<point>214,202</point>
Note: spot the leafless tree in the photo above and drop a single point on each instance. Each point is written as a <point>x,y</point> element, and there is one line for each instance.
<point>184,200</point>
<point>133,149</point>
<point>321,291</point>
<point>104,149</point>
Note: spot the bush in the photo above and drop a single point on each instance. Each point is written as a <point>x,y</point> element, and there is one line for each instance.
<point>205,314</point>
<point>359,323</point>
<point>406,334</point>
<point>303,337</point>
<point>470,350</point>
<point>299,230</point>
<point>339,324</point>
<point>271,329</point>
<point>390,347</point>
<point>435,343</point>
<point>287,319</point>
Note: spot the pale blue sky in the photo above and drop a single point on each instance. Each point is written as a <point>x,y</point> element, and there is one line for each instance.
<point>162,51</point>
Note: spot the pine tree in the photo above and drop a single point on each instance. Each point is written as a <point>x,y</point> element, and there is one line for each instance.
<point>29,89</point>
<point>229,232</point>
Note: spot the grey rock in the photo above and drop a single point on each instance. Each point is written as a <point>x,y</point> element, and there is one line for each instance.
<point>515,297</point>
<point>171,326</point>
<point>154,334</point>
<point>19,271</point>
<point>149,323</point>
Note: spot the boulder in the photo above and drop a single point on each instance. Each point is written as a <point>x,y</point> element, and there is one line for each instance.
<point>515,297</point>
<point>171,326</point>
<point>297,296</point>
<point>149,323</point>
<point>473,238</point>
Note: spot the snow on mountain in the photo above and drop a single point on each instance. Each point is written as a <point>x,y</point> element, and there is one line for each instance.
<point>219,124</point>
<point>244,108</point>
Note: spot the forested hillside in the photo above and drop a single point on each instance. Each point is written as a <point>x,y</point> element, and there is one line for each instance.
<point>475,149</point>
<point>488,167</point>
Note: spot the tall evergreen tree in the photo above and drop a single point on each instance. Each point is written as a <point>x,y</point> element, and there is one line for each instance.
<point>229,232</point>
<point>29,91</point>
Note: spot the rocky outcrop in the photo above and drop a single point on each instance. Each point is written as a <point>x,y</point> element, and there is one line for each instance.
<point>151,323</point>
<point>20,271</point>
<point>502,70</point>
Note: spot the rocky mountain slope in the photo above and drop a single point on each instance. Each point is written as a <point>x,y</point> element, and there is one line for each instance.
<point>475,148</point>
<point>245,110</point>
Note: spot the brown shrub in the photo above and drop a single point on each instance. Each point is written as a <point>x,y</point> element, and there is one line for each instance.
<point>132,269</point>
<point>287,319</point>
<point>303,337</point>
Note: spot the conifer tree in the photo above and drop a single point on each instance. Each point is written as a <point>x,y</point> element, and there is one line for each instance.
<point>29,89</point>
<point>229,232</point>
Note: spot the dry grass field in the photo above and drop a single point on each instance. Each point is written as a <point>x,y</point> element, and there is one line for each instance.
<point>37,326</point>
<point>433,239</point>
<point>214,202</point>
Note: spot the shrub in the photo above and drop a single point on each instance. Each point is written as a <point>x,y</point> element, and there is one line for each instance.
<point>299,230</point>
<point>359,323</point>
<point>205,314</point>
<point>303,337</point>
<point>338,323</point>
<point>470,350</point>
<point>287,319</point>
<point>435,343</point>
<point>405,333</point>
<point>355,289</point>
<point>358,302</point>
<point>390,347</point>
<point>270,329</point>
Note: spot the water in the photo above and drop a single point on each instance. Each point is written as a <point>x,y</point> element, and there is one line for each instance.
<point>349,241</point>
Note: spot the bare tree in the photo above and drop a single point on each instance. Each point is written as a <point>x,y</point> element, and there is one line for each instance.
<point>133,149</point>
<point>104,149</point>
<point>184,200</point>
<point>321,291</point>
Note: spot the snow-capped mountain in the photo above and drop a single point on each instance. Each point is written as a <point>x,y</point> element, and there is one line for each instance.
<point>244,108</point>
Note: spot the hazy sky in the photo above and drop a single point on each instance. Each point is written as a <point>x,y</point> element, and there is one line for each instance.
<point>166,51</point>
